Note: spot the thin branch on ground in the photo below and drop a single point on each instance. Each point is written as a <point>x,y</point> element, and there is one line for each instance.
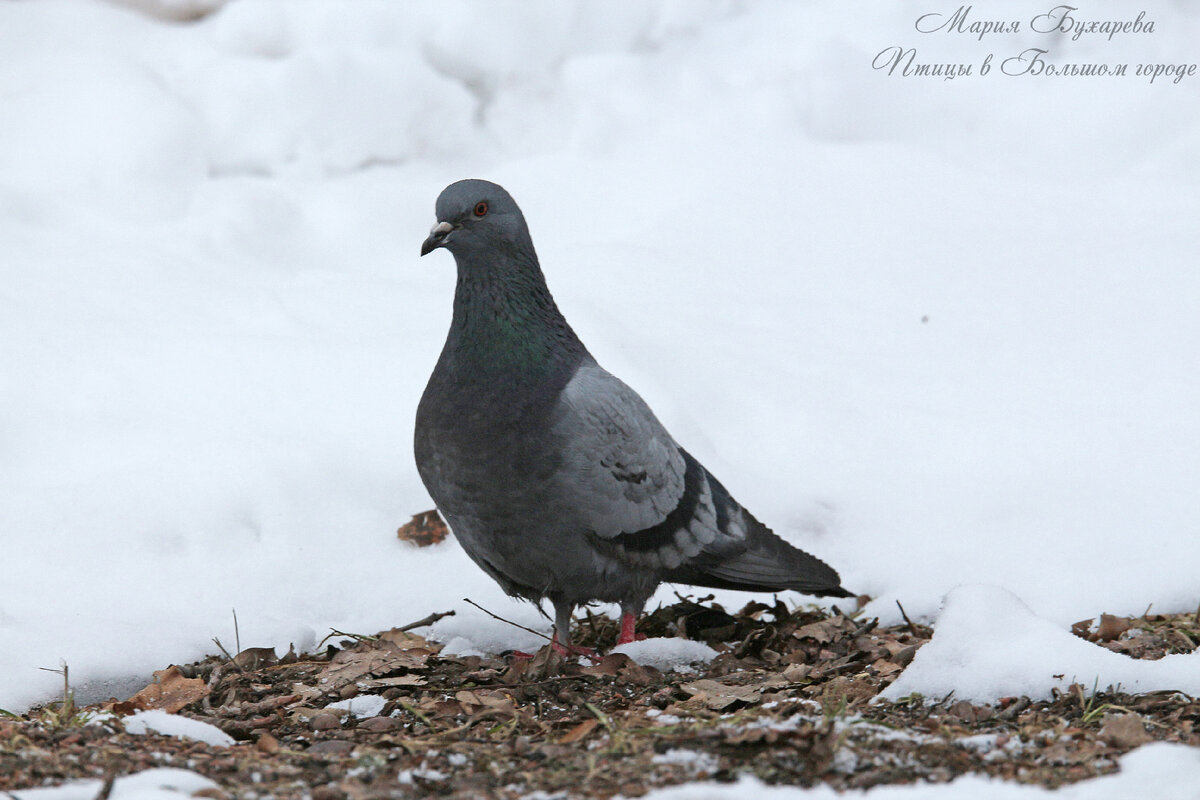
<point>421,623</point>
<point>911,627</point>
<point>217,642</point>
<point>509,621</point>
<point>107,787</point>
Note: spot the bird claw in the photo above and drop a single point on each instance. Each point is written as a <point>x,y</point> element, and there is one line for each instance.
<point>574,650</point>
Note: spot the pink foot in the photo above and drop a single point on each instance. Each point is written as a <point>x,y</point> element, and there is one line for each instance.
<point>573,650</point>
<point>627,632</point>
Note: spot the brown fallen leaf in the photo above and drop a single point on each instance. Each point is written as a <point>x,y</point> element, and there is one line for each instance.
<point>580,731</point>
<point>424,529</point>
<point>404,640</point>
<point>720,696</point>
<point>170,691</point>
<point>378,659</point>
<point>884,668</point>
<point>1083,628</point>
<point>254,658</point>
<point>610,665</point>
<point>1112,627</point>
<point>387,683</point>
<point>823,631</point>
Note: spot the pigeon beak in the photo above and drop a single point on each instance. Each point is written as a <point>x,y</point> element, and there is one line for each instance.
<point>437,237</point>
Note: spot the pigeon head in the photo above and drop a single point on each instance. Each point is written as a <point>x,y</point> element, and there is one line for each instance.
<point>475,216</point>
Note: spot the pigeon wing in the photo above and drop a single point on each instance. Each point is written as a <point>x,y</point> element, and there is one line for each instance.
<point>626,482</point>
<point>641,497</point>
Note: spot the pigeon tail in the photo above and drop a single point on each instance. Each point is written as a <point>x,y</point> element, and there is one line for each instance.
<point>762,561</point>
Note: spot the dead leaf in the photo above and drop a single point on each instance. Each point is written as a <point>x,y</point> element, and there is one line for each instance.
<point>580,731</point>
<point>498,700</point>
<point>884,668</point>
<point>369,661</point>
<point>640,675</point>
<point>398,680</point>
<point>852,690</point>
<point>424,529</point>
<point>720,696</point>
<point>610,665</point>
<point>170,691</point>
<point>253,658</point>
<point>1112,627</point>
<point>822,632</point>
<point>404,640</point>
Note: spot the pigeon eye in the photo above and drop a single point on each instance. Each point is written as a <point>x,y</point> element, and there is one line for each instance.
<point>481,208</point>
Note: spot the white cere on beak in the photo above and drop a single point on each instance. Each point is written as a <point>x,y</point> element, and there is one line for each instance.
<point>440,228</point>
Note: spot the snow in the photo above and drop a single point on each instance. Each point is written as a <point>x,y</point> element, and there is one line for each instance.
<point>158,721</point>
<point>1162,771</point>
<point>988,644</point>
<point>365,705</point>
<point>668,654</point>
<point>162,783</point>
<point>939,333</point>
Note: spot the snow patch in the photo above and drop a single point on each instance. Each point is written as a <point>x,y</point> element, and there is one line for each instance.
<point>364,705</point>
<point>163,783</point>
<point>667,654</point>
<point>159,721</point>
<point>987,644</point>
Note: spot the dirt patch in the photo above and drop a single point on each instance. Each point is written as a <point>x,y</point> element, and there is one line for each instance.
<point>788,699</point>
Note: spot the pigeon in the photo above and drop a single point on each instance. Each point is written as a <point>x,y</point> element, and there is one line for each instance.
<point>555,477</point>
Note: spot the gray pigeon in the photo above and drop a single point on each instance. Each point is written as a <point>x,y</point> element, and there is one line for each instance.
<point>556,477</point>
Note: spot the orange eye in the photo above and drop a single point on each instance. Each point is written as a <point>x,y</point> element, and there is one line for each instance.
<point>481,208</point>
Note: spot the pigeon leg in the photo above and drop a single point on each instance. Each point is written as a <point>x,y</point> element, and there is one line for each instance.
<point>561,642</point>
<point>562,621</point>
<point>629,614</point>
<point>627,634</point>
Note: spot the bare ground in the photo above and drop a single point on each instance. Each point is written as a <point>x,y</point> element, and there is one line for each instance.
<point>788,700</point>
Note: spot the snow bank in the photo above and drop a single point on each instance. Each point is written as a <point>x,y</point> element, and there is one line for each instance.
<point>988,644</point>
<point>935,333</point>
<point>1162,771</point>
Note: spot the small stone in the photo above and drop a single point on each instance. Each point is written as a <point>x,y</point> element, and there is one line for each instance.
<point>1124,731</point>
<point>325,722</point>
<point>331,747</point>
<point>965,711</point>
<point>378,724</point>
<point>327,792</point>
<point>211,793</point>
<point>905,656</point>
<point>794,673</point>
<point>267,744</point>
